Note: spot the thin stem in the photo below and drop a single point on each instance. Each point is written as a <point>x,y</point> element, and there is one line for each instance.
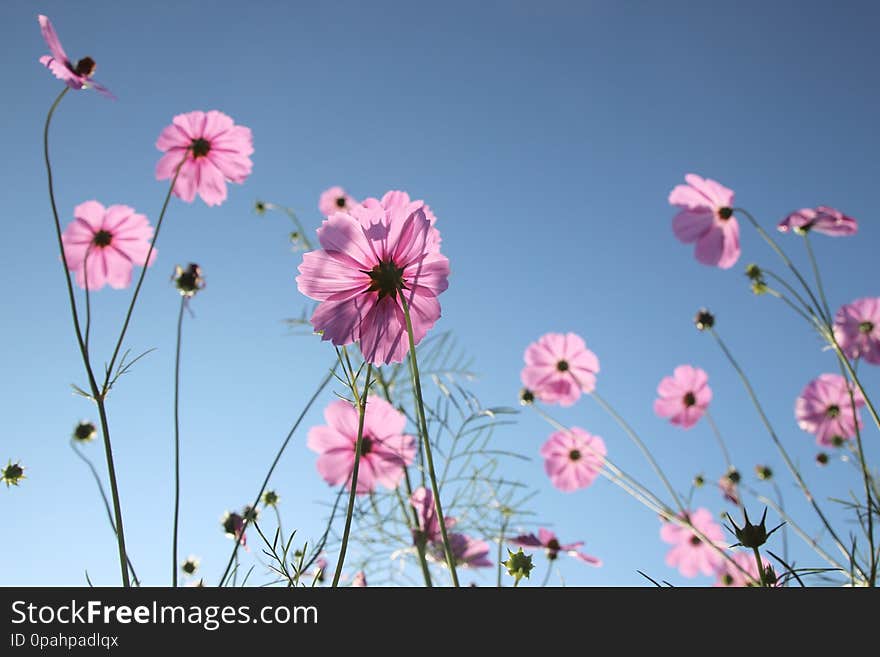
<point>426,442</point>
<point>641,445</point>
<point>85,459</point>
<point>88,298</point>
<point>501,549</point>
<point>719,439</point>
<point>784,283</point>
<point>547,576</point>
<point>818,277</point>
<point>785,457</point>
<point>760,563</point>
<point>275,461</point>
<point>114,489</point>
<point>296,222</point>
<point>784,529</point>
<point>361,400</point>
<point>177,441</point>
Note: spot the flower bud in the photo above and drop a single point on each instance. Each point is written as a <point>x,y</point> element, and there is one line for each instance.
<point>518,564</point>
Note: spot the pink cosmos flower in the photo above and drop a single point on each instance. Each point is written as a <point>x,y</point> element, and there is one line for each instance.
<point>335,200</point>
<point>214,151</point>
<point>371,256</point>
<point>547,540</point>
<point>729,488</point>
<point>573,458</point>
<point>559,367</point>
<point>396,200</point>
<point>857,329</point>
<point>732,576</point>
<point>822,220</point>
<point>385,449</point>
<point>684,396</point>
<point>824,409</point>
<point>428,530</point>
<point>104,244</point>
<point>689,553</point>
<point>468,552</point>
<point>706,217</point>
<point>233,527</point>
<point>359,580</point>
<point>77,76</point>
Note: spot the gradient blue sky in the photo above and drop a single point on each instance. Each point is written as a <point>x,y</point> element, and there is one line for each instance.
<point>546,137</point>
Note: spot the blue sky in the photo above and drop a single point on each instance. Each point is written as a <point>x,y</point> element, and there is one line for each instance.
<point>545,136</point>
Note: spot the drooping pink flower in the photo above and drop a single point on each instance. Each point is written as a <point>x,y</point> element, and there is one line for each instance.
<point>706,217</point>
<point>385,449</point>
<point>822,220</point>
<point>684,396</point>
<point>102,245</point>
<point>359,580</point>
<point>75,76</point>
<point>559,367</point>
<point>548,540</point>
<point>214,151</point>
<point>825,410</point>
<point>233,527</point>
<point>857,329</point>
<point>335,200</point>
<point>428,530</point>
<point>573,458</point>
<point>689,553</point>
<point>732,575</point>
<point>373,258</point>
<point>468,552</point>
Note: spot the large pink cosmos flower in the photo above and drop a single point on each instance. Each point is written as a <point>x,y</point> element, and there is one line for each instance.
<point>385,449</point>
<point>559,367</point>
<point>78,76</point>
<point>467,552</point>
<point>373,258</point>
<point>428,530</point>
<point>214,151</point>
<point>548,540</point>
<point>706,217</point>
<point>689,553</point>
<point>732,575</point>
<point>335,199</point>
<point>857,329</point>
<point>104,244</point>
<point>684,396</point>
<point>573,458</point>
<point>825,410</point>
<point>821,220</point>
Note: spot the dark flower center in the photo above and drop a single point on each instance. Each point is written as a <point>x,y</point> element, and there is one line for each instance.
<point>340,202</point>
<point>833,411</point>
<point>102,238</point>
<point>575,455</point>
<point>562,366</point>
<point>689,399</point>
<point>85,67</point>
<point>200,147</point>
<point>366,445</point>
<point>866,327</point>
<point>387,279</point>
<point>727,579</point>
<point>553,548</point>
<point>695,540</point>
<point>189,567</point>
<point>725,213</point>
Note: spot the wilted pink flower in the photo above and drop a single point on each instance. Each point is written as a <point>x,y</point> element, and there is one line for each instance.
<point>214,151</point>
<point>689,553</point>
<point>857,329</point>
<point>825,410</point>
<point>706,217</point>
<point>547,540</point>
<point>370,257</point>
<point>428,530</point>
<point>104,244</point>
<point>233,527</point>
<point>468,552</point>
<point>335,200</point>
<point>822,220</point>
<point>732,575</point>
<point>359,580</point>
<point>559,367</point>
<point>573,458</point>
<point>385,449</point>
<point>684,396</point>
<point>77,76</point>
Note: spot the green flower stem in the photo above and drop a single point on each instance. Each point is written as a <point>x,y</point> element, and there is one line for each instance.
<point>501,549</point>
<point>828,316</point>
<point>177,442</point>
<point>547,576</point>
<point>324,383</point>
<point>296,222</point>
<point>361,401</point>
<point>719,439</point>
<point>759,562</point>
<point>426,442</point>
